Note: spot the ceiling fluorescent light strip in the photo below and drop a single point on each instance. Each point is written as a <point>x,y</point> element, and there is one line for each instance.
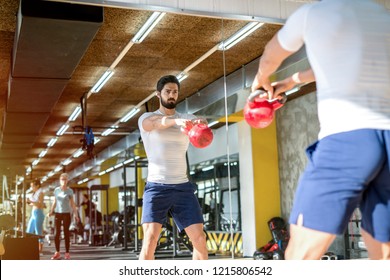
<point>42,154</point>
<point>108,170</point>
<point>75,114</point>
<point>212,123</point>
<point>130,114</point>
<point>78,153</point>
<point>108,131</point>
<point>67,161</point>
<point>239,35</point>
<point>52,142</point>
<point>147,27</point>
<point>208,168</point>
<point>102,81</point>
<point>62,130</point>
<point>182,76</point>
<point>58,168</point>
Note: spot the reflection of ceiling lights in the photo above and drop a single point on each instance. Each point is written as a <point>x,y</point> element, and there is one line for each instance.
<point>182,76</point>
<point>109,131</point>
<point>212,123</point>
<point>208,168</point>
<point>42,154</point>
<point>78,153</point>
<point>147,27</point>
<point>102,81</point>
<point>130,114</point>
<point>62,130</point>
<point>239,35</point>
<point>75,114</point>
<point>67,161</point>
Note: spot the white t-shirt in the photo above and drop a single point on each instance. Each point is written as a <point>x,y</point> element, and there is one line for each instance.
<point>166,151</point>
<point>348,46</point>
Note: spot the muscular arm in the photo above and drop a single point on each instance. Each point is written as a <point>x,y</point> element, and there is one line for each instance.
<point>303,77</point>
<point>161,122</point>
<point>271,59</point>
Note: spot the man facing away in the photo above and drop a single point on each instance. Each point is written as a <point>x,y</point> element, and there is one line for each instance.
<point>348,47</point>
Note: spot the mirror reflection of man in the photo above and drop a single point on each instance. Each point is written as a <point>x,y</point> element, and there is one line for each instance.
<point>168,188</point>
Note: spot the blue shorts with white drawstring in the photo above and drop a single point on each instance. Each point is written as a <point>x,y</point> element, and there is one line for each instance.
<point>178,200</point>
<point>345,171</point>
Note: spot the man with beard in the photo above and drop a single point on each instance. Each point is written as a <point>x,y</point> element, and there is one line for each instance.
<point>168,189</point>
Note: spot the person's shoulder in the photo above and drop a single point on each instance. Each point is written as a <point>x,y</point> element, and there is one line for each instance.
<point>146,115</point>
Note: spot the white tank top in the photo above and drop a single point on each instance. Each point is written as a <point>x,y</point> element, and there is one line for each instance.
<point>348,47</point>
<point>166,151</point>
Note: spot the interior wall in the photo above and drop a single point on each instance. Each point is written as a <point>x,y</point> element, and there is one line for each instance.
<point>297,127</point>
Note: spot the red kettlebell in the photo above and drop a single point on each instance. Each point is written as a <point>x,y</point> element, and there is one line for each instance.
<point>200,135</point>
<point>259,112</point>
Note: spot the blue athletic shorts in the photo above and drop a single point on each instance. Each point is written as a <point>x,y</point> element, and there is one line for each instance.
<point>177,199</point>
<point>345,171</point>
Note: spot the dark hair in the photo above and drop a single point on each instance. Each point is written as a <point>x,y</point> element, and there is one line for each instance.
<point>165,80</point>
<point>37,182</point>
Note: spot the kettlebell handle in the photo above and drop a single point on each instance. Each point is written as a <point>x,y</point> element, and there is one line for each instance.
<point>258,92</point>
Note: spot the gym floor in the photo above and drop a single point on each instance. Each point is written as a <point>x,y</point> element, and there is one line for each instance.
<point>87,252</point>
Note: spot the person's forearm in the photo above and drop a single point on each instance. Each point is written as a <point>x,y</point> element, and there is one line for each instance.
<point>271,59</point>
<point>303,77</point>
<point>269,63</point>
<point>158,122</point>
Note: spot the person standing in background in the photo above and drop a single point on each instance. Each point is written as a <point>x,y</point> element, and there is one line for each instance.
<point>36,201</point>
<point>62,208</point>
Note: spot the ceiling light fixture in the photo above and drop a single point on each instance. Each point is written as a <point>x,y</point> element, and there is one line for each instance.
<point>208,168</point>
<point>52,142</point>
<point>62,130</point>
<point>42,154</point>
<point>239,35</point>
<point>108,170</point>
<point>109,131</point>
<point>182,76</point>
<point>212,123</point>
<point>78,153</point>
<point>130,114</point>
<point>75,114</point>
<point>67,161</point>
<point>147,27</point>
<point>102,81</point>
<point>58,168</point>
